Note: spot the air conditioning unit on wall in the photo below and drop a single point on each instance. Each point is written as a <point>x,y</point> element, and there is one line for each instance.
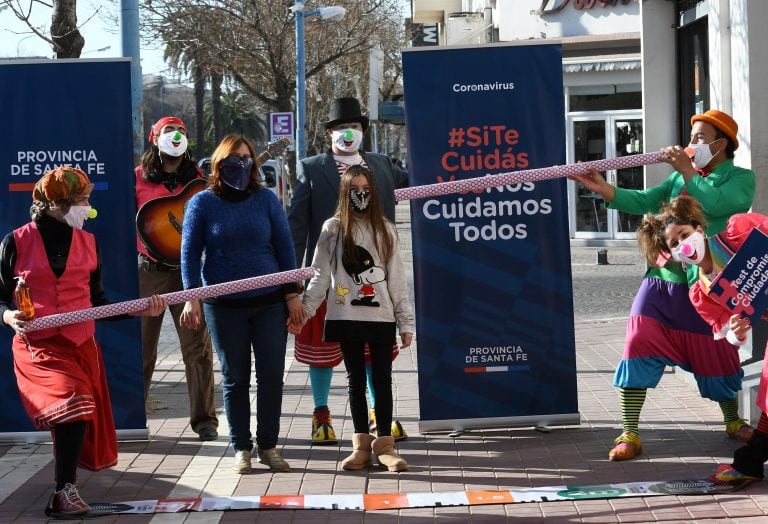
<point>466,28</point>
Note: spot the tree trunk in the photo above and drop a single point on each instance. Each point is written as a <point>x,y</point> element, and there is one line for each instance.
<point>216,81</point>
<point>199,80</point>
<point>67,40</point>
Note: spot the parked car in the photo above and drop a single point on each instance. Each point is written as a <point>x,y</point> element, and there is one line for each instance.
<point>271,175</point>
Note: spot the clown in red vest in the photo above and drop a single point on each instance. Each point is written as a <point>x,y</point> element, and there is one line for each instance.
<point>60,371</point>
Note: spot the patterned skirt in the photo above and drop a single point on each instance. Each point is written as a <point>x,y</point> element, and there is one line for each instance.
<point>665,330</point>
<point>59,383</point>
<point>310,347</point>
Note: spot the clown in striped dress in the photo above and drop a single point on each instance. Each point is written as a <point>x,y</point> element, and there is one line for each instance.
<point>663,328</point>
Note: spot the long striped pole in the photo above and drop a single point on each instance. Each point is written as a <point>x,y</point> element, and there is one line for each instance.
<point>177,297</point>
<point>529,175</point>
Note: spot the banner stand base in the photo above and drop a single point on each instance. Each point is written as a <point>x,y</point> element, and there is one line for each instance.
<point>43,437</point>
<point>461,425</point>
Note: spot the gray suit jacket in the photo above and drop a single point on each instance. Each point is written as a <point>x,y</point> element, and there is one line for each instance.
<point>317,193</point>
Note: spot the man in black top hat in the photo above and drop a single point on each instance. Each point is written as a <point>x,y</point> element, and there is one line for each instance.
<point>314,201</point>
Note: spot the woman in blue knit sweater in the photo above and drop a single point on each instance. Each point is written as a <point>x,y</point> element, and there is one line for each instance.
<point>233,230</point>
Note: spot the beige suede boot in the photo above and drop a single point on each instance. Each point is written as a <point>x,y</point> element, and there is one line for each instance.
<point>384,448</point>
<point>361,453</point>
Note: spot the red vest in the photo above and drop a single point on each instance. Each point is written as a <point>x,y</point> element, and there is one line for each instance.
<point>51,295</point>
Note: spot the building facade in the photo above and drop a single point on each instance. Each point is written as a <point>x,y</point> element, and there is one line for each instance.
<point>633,74</point>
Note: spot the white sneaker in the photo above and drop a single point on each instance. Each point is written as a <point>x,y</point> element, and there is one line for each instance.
<point>242,463</point>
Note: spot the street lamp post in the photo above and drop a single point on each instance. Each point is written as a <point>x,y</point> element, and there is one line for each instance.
<point>326,13</point>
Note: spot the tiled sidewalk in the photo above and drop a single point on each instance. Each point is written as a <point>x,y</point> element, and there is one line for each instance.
<point>682,437</point>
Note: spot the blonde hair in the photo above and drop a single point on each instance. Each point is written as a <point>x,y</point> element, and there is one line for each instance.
<point>682,210</point>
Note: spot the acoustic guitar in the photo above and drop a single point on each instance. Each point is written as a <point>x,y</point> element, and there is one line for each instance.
<point>159,221</point>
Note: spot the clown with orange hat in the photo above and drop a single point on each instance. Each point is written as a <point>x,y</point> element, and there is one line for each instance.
<point>663,328</point>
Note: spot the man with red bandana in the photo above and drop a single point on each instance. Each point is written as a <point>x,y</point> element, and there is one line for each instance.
<point>164,171</point>
<point>314,201</point>
<point>60,371</point>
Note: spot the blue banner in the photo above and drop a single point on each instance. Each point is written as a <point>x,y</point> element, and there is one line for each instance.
<point>492,269</point>
<point>78,113</point>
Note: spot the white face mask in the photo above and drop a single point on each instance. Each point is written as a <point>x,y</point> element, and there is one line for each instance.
<point>172,143</point>
<point>347,140</point>
<point>76,216</point>
<point>691,250</point>
<point>700,154</point>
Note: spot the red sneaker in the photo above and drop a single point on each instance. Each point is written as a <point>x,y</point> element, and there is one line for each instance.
<point>67,502</point>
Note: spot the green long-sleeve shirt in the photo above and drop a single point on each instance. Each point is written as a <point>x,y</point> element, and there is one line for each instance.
<point>727,190</point>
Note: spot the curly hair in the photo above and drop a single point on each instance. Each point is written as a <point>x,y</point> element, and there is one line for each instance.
<point>682,210</point>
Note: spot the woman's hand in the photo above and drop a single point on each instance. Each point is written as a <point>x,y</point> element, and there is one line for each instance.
<point>406,339</point>
<point>191,315</point>
<point>155,306</point>
<point>595,182</point>
<point>15,319</point>
<point>740,326</point>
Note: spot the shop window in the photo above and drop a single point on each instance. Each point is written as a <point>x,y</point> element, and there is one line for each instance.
<point>604,98</point>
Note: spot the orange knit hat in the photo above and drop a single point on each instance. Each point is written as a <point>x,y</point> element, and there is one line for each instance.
<point>62,183</point>
<point>722,121</point>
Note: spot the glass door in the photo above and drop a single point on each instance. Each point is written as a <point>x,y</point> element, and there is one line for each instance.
<point>628,133</point>
<point>591,219</point>
<point>595,136</point>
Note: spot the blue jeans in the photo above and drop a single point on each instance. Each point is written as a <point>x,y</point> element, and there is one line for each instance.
<point>235,331</point>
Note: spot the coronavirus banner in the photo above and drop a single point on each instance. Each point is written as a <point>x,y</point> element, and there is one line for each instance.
<point>492,269</point>
<point>55,114</point>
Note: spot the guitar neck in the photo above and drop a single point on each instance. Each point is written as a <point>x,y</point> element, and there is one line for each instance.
<point>266,155</point>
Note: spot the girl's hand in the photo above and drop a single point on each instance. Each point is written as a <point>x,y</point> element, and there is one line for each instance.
<point>15,319</point>
<point>191,315</point>
<point>406,339</point>
<point>294,328</point>
<point>740,326</point>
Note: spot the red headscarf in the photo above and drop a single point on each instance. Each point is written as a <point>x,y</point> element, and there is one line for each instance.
<point>160,124</point>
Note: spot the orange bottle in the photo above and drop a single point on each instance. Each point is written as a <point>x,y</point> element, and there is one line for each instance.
<point>24,299</point>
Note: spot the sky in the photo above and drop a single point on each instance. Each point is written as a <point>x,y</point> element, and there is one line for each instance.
<point>98,26</point>
<point>102,37</point>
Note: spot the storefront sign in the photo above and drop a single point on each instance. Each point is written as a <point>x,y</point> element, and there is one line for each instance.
<point>425,34</point>
<point>550,7</point>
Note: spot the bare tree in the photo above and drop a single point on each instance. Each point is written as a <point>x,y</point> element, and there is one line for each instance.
<point>253,42</point>
<point>64,35</point>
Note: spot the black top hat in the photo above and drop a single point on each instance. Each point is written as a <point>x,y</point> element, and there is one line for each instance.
<point>346,110</point>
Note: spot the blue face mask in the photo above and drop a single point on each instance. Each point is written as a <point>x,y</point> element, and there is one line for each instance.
<point>236,171</point>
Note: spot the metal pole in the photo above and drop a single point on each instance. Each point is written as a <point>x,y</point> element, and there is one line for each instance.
<point>301,141</point>
<point>129,32</point>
